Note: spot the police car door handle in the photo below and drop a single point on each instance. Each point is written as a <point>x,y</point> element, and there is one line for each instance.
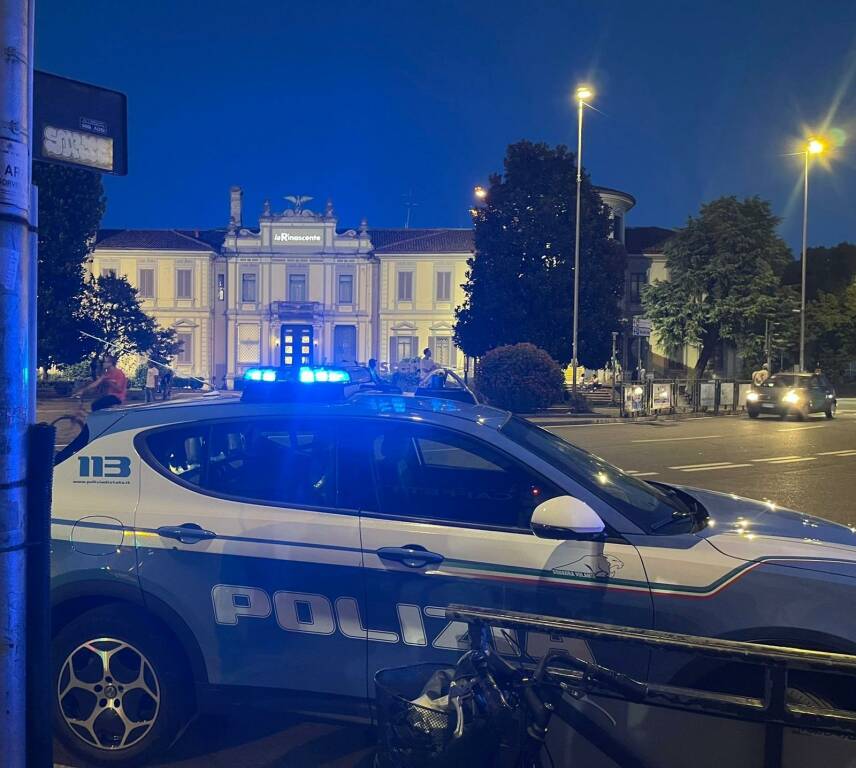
<point>411,555</point>
<point>188,533</point>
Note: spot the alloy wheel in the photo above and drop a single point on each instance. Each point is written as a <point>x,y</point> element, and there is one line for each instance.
<point>108,693</point>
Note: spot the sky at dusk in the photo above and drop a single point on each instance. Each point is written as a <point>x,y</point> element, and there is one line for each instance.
<point>363,102</point>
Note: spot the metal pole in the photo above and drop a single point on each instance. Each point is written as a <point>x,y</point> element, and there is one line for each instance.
<point>804,238</point>
<point>767,343</point>
<point>577,243</point>
<point>15,372</point>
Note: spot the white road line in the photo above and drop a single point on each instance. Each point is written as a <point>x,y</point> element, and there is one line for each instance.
<point>706,464</point>
<point>776,458</point>
<point>798,429</point>
<point>845,452</point>
<point>669,439</point>
<point>792,461</point>
<point>645,474</point>
<point>722,466</point>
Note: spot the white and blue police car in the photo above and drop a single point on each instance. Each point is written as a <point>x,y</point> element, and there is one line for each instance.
<point>297,539</point>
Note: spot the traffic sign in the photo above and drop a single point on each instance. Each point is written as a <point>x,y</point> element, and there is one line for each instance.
<point>80,124</point>
<point>641,326</point>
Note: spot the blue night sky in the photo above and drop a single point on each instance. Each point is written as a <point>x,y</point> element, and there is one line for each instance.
<point>364,101</point>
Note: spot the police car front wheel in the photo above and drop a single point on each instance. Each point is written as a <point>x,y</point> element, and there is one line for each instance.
<point>120,697</point>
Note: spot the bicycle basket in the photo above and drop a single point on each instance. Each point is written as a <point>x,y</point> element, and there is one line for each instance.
<point>410,735</point>
<point>414,736</point>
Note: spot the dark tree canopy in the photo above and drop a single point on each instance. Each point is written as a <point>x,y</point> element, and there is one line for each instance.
<point>520,281</point>
<point>725,268</point>
<point>71,203</point>
<point>828,270</point>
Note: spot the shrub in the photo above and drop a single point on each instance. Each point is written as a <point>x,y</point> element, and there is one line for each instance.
<point>520,377</point>
<point>138,380</point>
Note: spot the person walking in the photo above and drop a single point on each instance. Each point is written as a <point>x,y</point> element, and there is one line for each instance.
<point>112,385</point>
<point>151,381</point>
<point>166,383</point>
<point>426,367</point>
<point>761,375</point>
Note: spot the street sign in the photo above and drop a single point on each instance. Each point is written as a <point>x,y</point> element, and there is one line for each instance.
<point>79,124</point>
<point>641,326</point>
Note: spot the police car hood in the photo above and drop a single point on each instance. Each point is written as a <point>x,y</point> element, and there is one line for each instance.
<point>759,531</point>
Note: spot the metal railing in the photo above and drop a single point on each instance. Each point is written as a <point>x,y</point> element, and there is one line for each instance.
<point>772,708</point>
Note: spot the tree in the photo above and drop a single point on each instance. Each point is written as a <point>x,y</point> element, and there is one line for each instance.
<point>110,310</point>
<point>724,270</point>
<point>520,281</point>
<point>831,331</point>
<point>71,203</point>
<point>828,270</point>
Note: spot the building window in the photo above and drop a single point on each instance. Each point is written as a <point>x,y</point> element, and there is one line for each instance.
<point>345,344</point>
<point>185,353</point>
<point>221,287</point>
<point>184,283</point>
<point>297,287</point>
<point>637,280</point>
<point>108,271</point>
<point>441,350</point>
<point>346,289</point>
<point>402,348</point>
<point>248,287</point>
<point>146,284</point>
<point>249,336</point>
<point>405,286</point>
<point>444,286</point>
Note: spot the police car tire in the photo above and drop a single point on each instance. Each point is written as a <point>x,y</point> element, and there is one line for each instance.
<point>174,684</point>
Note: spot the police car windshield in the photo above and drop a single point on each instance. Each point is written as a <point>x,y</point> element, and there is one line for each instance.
<point>643,504</point>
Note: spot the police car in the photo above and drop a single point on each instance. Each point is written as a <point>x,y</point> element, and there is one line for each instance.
<point>298,538</point>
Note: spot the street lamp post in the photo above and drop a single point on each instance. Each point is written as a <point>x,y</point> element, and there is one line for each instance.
<point>813,147</point>
<point>583,93</point>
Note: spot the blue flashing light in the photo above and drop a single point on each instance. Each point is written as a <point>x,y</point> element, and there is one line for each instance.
<point>253,374</point>
<point>268,375</point>
<point>319,375</point>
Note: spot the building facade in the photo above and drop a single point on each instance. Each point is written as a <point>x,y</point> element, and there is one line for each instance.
<point>294,289</point>
<point>297,288</point>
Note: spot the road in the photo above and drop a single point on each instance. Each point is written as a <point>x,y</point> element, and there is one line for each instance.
<point>809,466</point>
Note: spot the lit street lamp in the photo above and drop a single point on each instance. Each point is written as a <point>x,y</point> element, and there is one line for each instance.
<point>480,193</point>
<point>583,93</point>
<point>813,147</point>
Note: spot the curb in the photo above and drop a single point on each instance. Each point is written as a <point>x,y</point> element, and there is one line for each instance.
<point>572,421</point>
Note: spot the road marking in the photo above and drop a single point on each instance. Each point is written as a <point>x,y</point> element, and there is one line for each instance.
<point>634,473</point>
<point>706,464</point>
<point>669,439</point>
<point>797,429</point>
<point>721,466</point>
<point>776,458</point>
<point>792,461</point>
<point>845,452</point>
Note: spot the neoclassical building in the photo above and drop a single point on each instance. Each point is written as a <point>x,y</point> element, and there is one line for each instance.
<point>294,287</point>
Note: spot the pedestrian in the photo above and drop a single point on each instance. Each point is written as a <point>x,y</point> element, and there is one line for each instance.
<point>373,371</point>
<point>112,385</point>
<point>426,367</point>
<point>166,383</point>
<point>761,375</point>
<point>151,381</point>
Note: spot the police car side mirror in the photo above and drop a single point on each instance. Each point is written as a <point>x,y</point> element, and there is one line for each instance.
<point>564,517</point>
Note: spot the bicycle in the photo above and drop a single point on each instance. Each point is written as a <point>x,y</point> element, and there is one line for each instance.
<point>489,713</point>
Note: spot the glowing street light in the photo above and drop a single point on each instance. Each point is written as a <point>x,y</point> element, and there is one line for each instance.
<point>480,193</point>
<point>583,94</point>
<point>814,146</point>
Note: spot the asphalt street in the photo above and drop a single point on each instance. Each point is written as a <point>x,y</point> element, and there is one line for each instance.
<point>809,466</point>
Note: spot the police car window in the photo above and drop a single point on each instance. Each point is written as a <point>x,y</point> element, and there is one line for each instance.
<point>283,462</point>
<point>181,452</point>
<point>443,476</point>
<point>271,461</point>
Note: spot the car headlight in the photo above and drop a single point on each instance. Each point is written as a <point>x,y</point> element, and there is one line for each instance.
<point>792,397</point>
<point>752,397</point>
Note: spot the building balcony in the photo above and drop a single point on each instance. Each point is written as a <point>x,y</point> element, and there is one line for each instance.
<point>288,310</point>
